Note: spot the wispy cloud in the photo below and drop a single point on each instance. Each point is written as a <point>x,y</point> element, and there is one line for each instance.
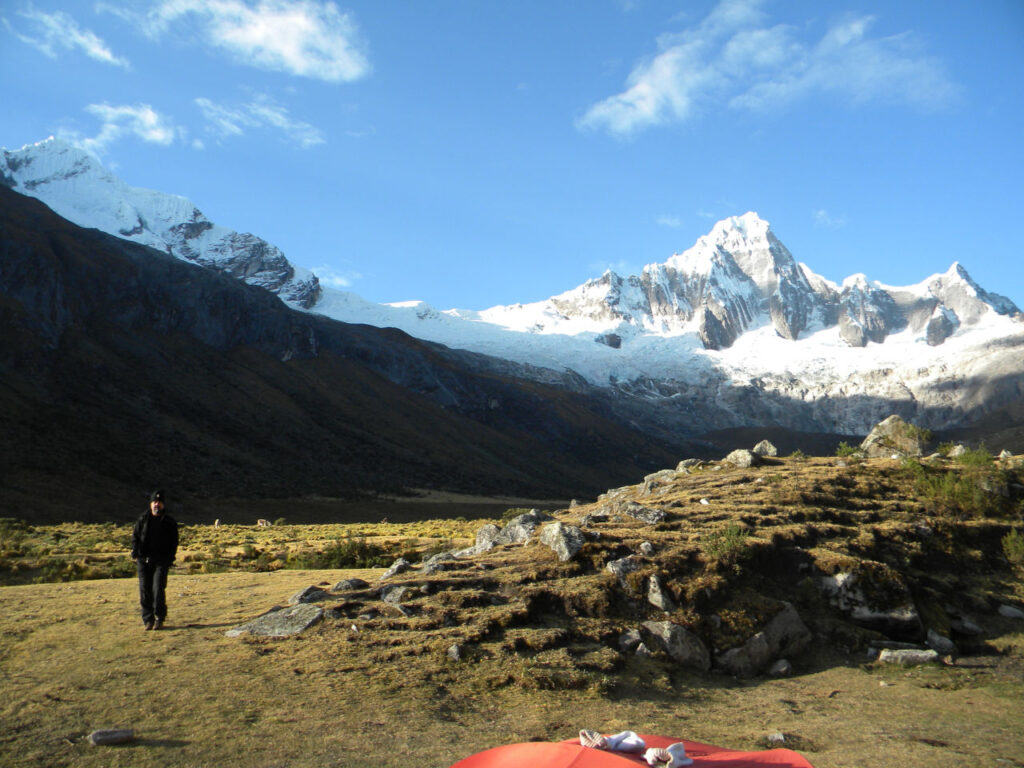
<point>262,112</point>
<point>673,222</point>
<point>308,38</point>
<point>735,58</point>
<point>138,120</point>
<point>331,278</point>
<point>58,30</point>
<point>825,219</point>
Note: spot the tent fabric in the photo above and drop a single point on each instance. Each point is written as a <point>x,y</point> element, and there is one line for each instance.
<point>569,754</point>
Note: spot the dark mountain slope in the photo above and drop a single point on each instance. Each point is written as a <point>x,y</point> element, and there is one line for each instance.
<point>123,368</point>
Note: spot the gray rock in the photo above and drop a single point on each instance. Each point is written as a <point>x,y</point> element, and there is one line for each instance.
<point>520,529</point>
<point>893,437</point>
<point>564,540</point>
<point>765,448</point>
<point>681,645</point>
<point>658,596</point>
<point>401,565</point>
<point>430,568</point>
<point>348,585</point>
<point>643,651</point>
<point>623,567</point>
<point>743,458</point>
<point>781,668</point>
<point>592,518</point>
<point>485,537</point>
<point>308,595</point>
<point>785,635</point>
<point>966,626</point>
<point>1005,454</point>
<point>659,480</point>
<point>455,652</point>
<point>689,464</point>
<point>106,736</point>
<point>629,640</point>
<point>1011,612</point>
<point>281,622</point>
<point>940,643</point>
<point>639,512</point>
<point>907,656</point>
<point>394,593</point>
<point>646,548</point>
<point>957,451</point>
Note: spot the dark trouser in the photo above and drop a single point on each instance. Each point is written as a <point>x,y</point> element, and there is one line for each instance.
<point>152,591</point>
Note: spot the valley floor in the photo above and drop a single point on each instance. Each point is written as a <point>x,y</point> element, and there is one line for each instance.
<point>74,658</point>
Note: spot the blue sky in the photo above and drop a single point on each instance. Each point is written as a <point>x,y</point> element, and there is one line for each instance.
<point>470,153</point>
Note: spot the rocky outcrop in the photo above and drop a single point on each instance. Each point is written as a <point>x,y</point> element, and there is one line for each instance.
<point>681,645</point>
<point>785,635</point>
<point>875,596</point>
<point>564,540</point>
<point>281,622</point>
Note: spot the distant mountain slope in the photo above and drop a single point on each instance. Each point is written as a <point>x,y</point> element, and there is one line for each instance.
<point>732,333</point>
<point>123,368</point>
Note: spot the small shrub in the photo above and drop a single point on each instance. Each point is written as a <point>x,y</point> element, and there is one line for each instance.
<point>798,455</point>
<point>280,521</point>
<point>1013,547</point>
<point>976,457</point>
<point>727,546</point>
<point>845,450</point>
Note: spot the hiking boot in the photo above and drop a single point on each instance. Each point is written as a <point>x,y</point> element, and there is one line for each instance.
<point>159,624</point>
<point>149,625</point>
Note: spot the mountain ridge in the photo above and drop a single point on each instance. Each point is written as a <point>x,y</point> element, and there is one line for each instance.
<point>726,329</point>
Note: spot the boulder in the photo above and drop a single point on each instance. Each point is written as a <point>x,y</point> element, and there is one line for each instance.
<point>1005,454</point>
<point>742,458</point>
<point>957,451</point>
<point>765,448</point>
<point>781,668</point>
<point>564,540</point>
<point>393,593</point>
<point>485,537</point>
<point>785,635</point>
<point>658,596</point>
<point>308,595</point>
<point>629,640</point>
<point>592,518</point>
<point>893,437</point>
<point>648,515</point>
<point>646,548</point>
<point>520,529</point>
<point>281,622</point>
<point>681,645</point>
<point>455,652</point>
<point>907,656</point>
<point>401,565</point>
<point>660,480</point>
<point>622,567</point>
<point>688,464</point>
<point>348,585</point>
<point>107,736</point>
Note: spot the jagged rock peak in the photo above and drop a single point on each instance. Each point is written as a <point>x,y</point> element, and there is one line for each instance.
<point>74,183</point>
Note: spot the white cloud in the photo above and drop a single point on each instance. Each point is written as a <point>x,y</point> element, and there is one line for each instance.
<point>670,221</point>
<point>308,38</point>
<point>333,279</point>
<point>261,112</point>
<point>734,58</point>
<point>59,30</point>
<point>825,219</point>
<point>139,120</point>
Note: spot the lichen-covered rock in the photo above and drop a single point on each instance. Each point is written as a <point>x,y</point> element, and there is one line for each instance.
<point>894,437</point>
<point>348,585</point>
<point>681,645</point>
<point>658,596</point>
<point>281,622</point>
<point>564,540</point>
<point>401,565</point>
<point>623,567</point>
<point>520,529</point>
<point>766,448</point>
<point>648,515</point>
<point>742,458</point>
<point>311,594</point>
<point>907,656</point>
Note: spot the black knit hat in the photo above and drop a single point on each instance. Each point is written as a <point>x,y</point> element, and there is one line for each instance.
<point>156,496</point>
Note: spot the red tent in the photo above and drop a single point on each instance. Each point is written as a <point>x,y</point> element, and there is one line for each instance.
<point>569,754</point>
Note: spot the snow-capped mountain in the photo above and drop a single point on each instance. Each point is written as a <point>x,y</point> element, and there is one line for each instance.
<point>730,332</point>
<point>75,184</point>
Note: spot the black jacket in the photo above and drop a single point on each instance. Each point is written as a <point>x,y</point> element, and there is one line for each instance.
<point>155,537</point>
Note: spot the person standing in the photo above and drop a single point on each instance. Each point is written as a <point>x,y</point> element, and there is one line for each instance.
<point>154,547</point>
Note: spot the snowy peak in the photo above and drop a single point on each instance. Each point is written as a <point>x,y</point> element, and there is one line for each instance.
<point>75,184</point>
